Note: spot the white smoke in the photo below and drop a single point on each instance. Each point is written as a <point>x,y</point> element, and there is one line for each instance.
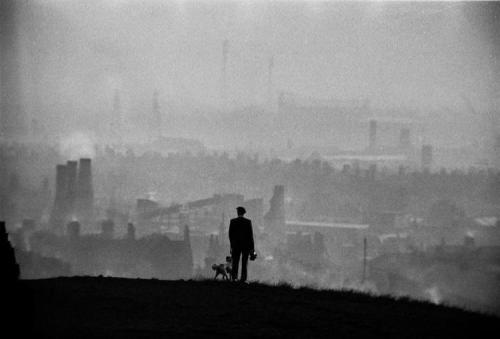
<point>77,145</point>
<point>433,294</point>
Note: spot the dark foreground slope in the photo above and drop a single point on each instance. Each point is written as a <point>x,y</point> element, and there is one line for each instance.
<point>127,308</point>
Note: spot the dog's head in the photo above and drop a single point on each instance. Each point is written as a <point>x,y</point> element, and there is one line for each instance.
<point>216,267</point>
<point>229,259</point>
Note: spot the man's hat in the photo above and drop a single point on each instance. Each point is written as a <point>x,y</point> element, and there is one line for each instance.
<point>241,210</point>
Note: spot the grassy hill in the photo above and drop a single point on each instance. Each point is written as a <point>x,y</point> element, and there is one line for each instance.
<point>129,308</point>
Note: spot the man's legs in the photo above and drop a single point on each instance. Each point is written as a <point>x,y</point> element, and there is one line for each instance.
<point>235,254</point>
<point>244,262</point>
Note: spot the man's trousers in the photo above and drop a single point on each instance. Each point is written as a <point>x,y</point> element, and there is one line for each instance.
<point>236,254</point>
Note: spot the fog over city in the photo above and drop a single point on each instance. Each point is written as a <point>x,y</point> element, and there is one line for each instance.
<point>362,138</point>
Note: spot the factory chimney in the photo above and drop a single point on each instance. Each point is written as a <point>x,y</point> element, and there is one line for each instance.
<point>71,172</point>
<point>85,192</point>
<point>59,209</point>
<point>275,217</point>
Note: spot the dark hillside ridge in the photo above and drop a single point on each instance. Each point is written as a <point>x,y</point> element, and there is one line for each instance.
<point>133,308</point>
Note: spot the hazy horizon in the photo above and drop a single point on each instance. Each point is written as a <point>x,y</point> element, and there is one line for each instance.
<point>417,61</point>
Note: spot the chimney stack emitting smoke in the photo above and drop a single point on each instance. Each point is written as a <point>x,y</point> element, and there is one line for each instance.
<point>59,209</point>
<point>73,230</point>
<point>85,191</point>
<point>275,217</point>
<point>71,168</point>
<point>74,197</point>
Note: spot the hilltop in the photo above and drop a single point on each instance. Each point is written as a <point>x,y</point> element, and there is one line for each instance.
<point>131,308</point>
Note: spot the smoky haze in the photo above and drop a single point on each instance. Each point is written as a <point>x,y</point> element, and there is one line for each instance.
<point>416,60</point>
<point>357,135</point>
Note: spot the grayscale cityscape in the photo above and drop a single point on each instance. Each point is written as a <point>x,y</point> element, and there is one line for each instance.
<point>362,140</point>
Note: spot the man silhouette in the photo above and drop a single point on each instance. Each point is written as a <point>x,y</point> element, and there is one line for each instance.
<point>241,240</point>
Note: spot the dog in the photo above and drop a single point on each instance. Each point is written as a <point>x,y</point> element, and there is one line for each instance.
<point>223,269</point>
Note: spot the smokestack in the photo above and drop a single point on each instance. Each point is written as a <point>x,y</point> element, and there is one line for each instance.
<point>58,215</point>
<point>373,135</point>
<point>73,230</point>
<point>130,231</point>
<point>108,229</point>
<point>85,192</point>
<point>426,157</point>
<point>275,217</point>
<point>71,168</point>
<point>61,183</point>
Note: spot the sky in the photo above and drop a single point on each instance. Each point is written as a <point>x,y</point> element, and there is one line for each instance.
<point>424,56</point>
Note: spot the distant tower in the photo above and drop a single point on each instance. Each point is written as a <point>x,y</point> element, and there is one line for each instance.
<point>404,139</point>
<point>11,118</point>
<point>73,230</point>
<point>71,172</point>
<point>187,238</point>
<point>130,231</point>
<point>57,218</point>
<point>85,192</point>
<point>155,127</point>
<point>275,217</point>
<point>225,51</point>
<point>426,157</point>
<point>373,135</point>
<point>108,229</point>
<point>270,89</point>
<point>116,119</point>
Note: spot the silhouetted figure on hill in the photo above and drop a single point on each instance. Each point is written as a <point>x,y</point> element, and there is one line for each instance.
<point>242,244</point>
<point>9,266</point>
